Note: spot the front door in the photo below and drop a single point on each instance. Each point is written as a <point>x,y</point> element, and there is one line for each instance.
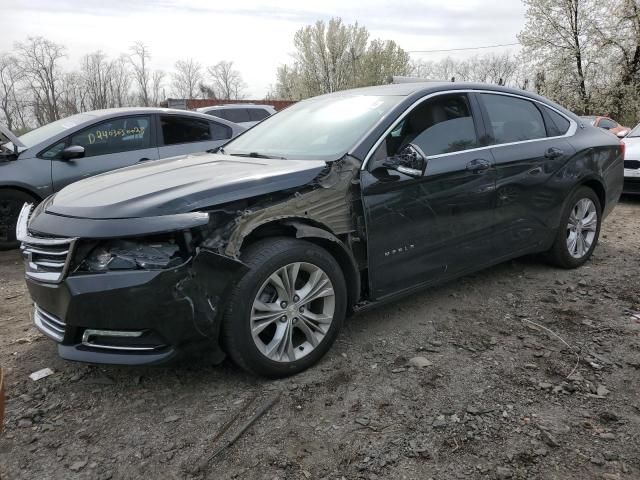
<point>108,145</point>
<point>421,229</point>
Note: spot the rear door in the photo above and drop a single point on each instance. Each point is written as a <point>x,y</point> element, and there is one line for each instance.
<point>110,144</point>
<point>181,134</point>
<point>530,146</point>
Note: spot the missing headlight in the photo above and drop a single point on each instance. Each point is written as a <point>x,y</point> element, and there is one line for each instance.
<point>133,255</point>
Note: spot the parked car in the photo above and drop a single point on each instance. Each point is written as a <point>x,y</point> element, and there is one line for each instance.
<point>245,114</point>
<point>48,158</point>
<point>333,206</point>
<point>607,123</point>
<point>632,162</point>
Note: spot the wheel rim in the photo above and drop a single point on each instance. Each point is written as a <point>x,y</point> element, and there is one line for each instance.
<point>9,210</point>
<point>292,312</point>
<point>582,226</point>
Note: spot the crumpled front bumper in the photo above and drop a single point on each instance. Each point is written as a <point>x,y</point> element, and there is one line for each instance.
<point>170,312</point>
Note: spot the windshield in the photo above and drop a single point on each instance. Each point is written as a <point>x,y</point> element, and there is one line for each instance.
<point>52,129</point>
<point>321,128</point>
<point>635,132</point>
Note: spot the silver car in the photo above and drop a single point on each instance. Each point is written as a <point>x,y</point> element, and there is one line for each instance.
<point>44,160</point>
<point>245,114</point>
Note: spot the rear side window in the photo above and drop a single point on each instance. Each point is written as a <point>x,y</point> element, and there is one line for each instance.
<point>218,113</point>
<point>513,119</point>
<point>237,115</point>
<point>176,129</point>
<point>219,131</point>
<point>257,114</point>
<point>559,124</point>
<point>114,136</point>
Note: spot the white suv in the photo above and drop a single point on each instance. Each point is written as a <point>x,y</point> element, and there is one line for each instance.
<point>244,114</point>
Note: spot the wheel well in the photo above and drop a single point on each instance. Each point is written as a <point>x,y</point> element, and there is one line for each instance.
<point>336,249</point>
<point>597,187</point>
<point>37,198</point>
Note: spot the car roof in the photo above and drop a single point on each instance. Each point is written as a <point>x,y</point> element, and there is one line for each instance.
<point>137,110</point>
<point>421,88</point>
<point>116,112</point>
<point>424,87</point>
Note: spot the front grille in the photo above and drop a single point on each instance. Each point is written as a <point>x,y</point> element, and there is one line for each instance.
<point>52,326</point>
<point>46,258</point>
<point>634,164</point>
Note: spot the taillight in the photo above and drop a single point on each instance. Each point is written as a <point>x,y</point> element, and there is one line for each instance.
<point>623,148</point>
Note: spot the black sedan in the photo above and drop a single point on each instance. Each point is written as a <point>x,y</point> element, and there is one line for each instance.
<point>330,207</point>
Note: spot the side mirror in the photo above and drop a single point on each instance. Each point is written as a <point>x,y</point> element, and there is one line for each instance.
<point>410,161</point>
<point>72,152</point>
<point>622,133</point>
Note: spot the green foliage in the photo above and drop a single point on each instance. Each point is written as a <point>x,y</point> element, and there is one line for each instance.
<point>333,56</point>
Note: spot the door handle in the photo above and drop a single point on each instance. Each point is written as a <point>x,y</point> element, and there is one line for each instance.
<point>478,165</point>
<point>144,160</point>
<point>553,152</point>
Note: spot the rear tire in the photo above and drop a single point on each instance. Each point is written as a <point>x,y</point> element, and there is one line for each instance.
<point>579,230</point>
<point>286,311</point>
<point>11,202</point>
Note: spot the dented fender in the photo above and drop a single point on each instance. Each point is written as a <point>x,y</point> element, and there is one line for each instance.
<point>207,286</point>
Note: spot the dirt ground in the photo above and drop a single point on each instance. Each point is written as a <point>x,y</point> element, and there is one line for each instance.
<point>494,403</point>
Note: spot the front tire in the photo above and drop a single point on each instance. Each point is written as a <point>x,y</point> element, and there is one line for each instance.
<point>286,311</point>
<point>11,202</point>
<point>579,230</point>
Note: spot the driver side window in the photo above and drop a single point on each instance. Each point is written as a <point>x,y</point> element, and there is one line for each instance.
<point>443,124</point>
<point>116,135</point>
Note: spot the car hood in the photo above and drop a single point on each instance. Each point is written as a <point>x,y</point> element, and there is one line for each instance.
<point>632,148</point>
<point>179,185</point>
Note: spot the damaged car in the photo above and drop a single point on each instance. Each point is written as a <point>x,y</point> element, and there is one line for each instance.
<point>333,206</point>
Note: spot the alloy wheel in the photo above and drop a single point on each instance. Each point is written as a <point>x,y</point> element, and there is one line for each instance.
<point>582,226</point>
<point>292,312</point>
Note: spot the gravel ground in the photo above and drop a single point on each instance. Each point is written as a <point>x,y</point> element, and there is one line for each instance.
<point>493,394</point>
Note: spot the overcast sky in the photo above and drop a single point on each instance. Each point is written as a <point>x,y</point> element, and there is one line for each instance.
<point>257,35</point>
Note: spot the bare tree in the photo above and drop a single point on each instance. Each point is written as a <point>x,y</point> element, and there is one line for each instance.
<point>120,83</point>
<point>11,104</point>
<point>139,59</point>
<point>73,95</point>
<point>156,86</point>
<point>97,75</point>
<point>227,81</point>
<point>40,62</point>
<point>186,78</point>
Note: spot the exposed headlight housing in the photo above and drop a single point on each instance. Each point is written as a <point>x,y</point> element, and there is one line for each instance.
<point>132,255</point>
